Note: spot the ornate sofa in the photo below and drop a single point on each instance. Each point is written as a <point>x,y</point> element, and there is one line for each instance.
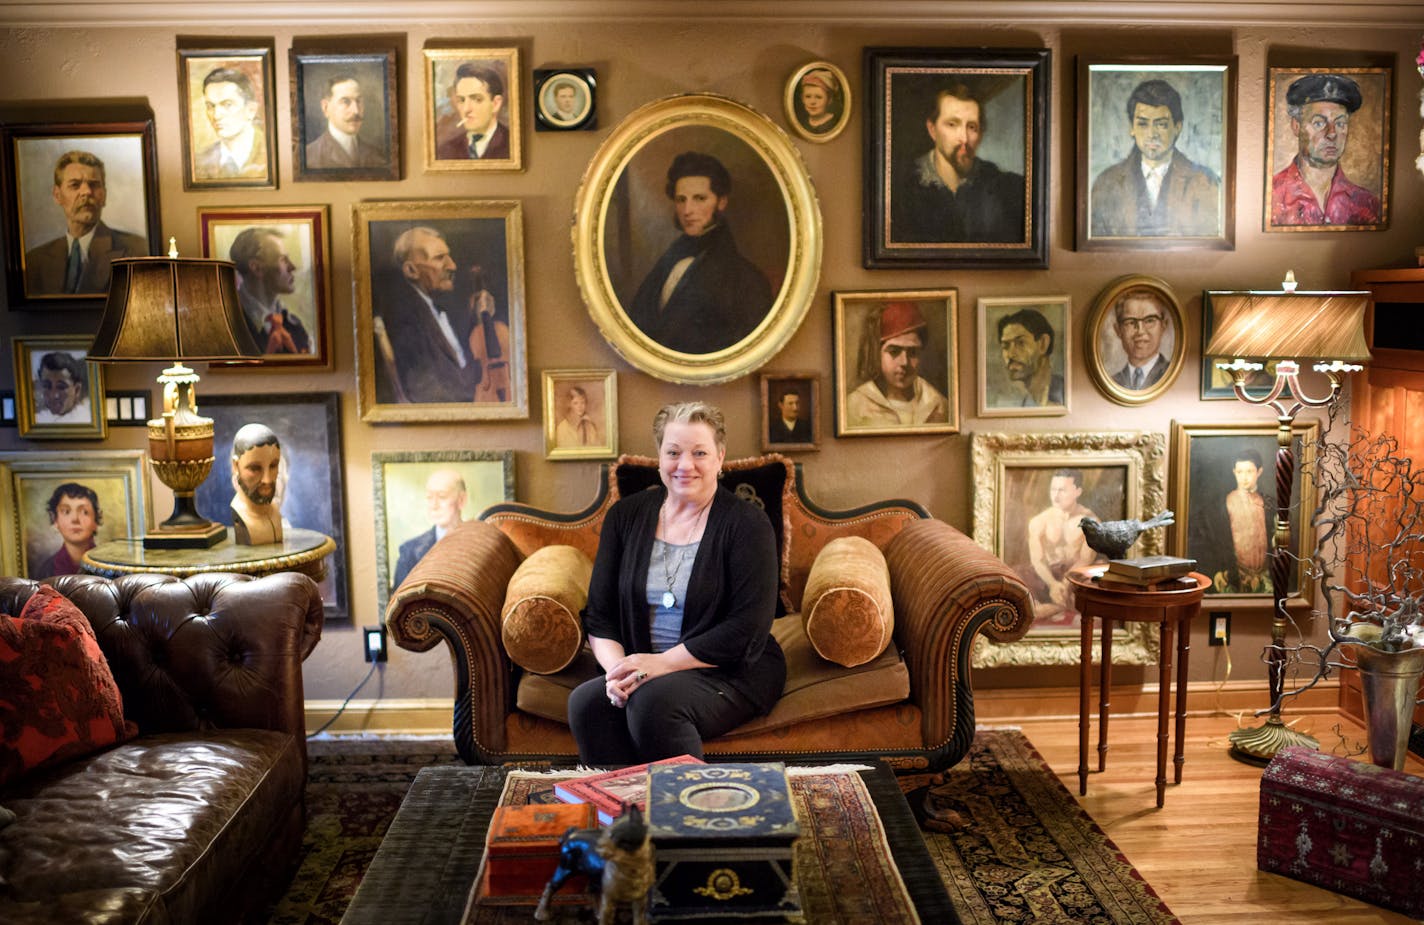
<point>199,817</point>
<point>913,706</point>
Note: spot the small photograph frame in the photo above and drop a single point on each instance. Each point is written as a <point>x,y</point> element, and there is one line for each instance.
<point>817,101</point>
<point>1306,108</point>
<point>59,392</point>
<point>565,99</point>
<point>882,376</point>
<point>113,146</point>
<point>1110,476</point>
<point>357,93</point>
<point>1135,358</point>
<point>227,107</point>
<point>920,100</point>
<point>1176,117</point>
<point>283,258</point>
<point>580,414</point>
<point>310,493</point>
<point>473,105</point>
<point>418,493</point>
<point>790,411</point>
<point>731,312</point>
<point>111,484</point>
<point>1222,474</point>
<point>409,368</point>
<point>1032,338</point>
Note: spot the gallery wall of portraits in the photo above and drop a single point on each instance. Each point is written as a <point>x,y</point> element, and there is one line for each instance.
<point>541,211</point>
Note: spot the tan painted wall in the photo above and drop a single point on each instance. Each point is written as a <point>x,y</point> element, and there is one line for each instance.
<point>637,62</point>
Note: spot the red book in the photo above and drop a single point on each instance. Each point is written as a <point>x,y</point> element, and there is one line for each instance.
<point>608,790</point>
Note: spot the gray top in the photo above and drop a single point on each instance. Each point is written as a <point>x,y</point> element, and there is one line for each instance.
<point>669,568</point>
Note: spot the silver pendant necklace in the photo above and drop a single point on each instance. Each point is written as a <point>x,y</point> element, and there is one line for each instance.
<point>671,569</point>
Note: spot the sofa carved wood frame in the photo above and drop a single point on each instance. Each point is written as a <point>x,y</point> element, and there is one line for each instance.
<point>945,588</point>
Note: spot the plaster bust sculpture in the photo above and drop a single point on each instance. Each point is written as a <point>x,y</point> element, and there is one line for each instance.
<point>257,483</point>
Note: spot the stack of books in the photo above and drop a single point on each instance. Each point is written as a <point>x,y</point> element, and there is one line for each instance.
<point>607,791</point>
<point>1148,573</point>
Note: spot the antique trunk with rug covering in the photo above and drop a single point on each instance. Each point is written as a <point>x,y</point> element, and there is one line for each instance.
<point>1345,825</point>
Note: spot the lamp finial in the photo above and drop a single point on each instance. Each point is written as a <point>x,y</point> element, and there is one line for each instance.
<point>172,248</point>
<point>1288,284</point>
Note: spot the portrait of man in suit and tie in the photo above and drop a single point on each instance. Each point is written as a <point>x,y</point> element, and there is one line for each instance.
<point>78,261</point>
<point>1135,345</point>
<point>227,141</point>
<point>472,109</point>
<point>344,117</point>
<point>789,408</point>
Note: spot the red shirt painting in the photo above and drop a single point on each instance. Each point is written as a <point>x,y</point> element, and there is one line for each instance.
<point>1293,203</point>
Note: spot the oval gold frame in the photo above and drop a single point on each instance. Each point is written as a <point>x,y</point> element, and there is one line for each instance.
<point>788,100</point>
<point>1102,376</point>
<point>591,205</point>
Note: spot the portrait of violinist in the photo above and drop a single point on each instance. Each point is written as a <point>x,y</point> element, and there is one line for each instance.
<point>438,333</point>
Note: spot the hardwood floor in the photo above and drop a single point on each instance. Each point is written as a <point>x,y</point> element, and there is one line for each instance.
<point>1199,851</point>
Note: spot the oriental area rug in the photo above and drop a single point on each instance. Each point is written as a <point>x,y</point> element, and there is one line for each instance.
<point>1021,850</point>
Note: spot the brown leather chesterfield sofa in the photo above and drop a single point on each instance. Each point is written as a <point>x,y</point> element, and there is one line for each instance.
<point>913,706</point>
<point>200,816</point>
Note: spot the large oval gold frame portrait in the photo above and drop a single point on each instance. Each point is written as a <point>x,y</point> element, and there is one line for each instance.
<point>647,130</point>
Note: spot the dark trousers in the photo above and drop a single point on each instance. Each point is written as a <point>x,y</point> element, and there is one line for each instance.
<point>665,717</point>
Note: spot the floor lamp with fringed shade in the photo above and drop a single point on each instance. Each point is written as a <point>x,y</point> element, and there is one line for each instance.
<point>1287,327</point>
<point>176,310</point>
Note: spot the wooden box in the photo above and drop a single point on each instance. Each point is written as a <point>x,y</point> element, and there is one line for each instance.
<point>723,841</point>
<point>523,847</point>
<point>1344,825</point>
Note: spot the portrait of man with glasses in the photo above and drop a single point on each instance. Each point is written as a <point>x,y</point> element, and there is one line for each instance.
<point>1141,321</point>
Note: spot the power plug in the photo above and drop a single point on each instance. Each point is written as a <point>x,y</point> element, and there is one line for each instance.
<point>374,638</point>
<point>1220,634</point>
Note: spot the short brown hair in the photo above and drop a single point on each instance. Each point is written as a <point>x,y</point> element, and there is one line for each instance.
<point>690,412</point>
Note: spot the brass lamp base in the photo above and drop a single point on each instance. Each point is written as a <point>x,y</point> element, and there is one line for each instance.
<point>1259,745</point>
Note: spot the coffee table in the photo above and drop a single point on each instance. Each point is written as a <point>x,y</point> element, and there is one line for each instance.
<point>426,865</point>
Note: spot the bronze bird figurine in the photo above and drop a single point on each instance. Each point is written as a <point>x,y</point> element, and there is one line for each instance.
<point>1113,538</point>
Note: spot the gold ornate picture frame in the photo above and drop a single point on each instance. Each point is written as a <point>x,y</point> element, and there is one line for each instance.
<point>1021,483</point>
<point>1152,323</point>
<point>580,414</point>
<point>227,109</point>
<point>1220,472</point>
<point>727,313</point>
<point>416,261</point>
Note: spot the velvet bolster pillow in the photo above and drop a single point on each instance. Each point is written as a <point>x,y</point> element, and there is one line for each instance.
<point>540,623</point>
<point>846,609</point>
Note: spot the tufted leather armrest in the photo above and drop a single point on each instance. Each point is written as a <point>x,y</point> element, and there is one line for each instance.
<point>210,651</point>
<point>947,588</point>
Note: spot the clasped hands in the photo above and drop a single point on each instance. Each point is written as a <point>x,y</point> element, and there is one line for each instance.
<point>623,678</point>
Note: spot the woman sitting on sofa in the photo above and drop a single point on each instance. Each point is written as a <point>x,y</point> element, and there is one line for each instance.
<point>679,607</point>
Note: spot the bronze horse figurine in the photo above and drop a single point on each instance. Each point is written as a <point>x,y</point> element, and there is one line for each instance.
<point>618,861</point>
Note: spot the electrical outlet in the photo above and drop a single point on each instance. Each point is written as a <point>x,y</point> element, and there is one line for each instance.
<point>374,638</point>
<point>1220,634</point>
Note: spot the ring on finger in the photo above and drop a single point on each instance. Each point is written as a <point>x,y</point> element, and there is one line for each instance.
<point>642,676</point>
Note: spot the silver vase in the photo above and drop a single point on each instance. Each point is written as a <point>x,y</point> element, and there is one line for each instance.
<point>1391,685</point>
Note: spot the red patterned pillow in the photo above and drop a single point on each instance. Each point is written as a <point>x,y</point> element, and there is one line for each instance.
<point>58,699</point>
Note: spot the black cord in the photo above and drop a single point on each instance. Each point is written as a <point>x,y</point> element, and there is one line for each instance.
<point>342,708</point>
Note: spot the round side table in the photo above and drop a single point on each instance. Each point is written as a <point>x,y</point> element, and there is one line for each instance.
<point>301,550</point>
<point>1173,608</point>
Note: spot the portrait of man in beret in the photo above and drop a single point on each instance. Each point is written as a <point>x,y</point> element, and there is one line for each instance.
<point>1313,189</point>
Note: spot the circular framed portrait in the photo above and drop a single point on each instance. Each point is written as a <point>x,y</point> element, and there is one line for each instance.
<point>564,100</point>
<point>817,101</point>
<point>697,239</point>
<point>1135,339</point>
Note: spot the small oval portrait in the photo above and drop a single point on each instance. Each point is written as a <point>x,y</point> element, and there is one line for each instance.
<point>697,239</point>
<point>1135,340</point>
<point>564,100</point>
<point>818,101</point>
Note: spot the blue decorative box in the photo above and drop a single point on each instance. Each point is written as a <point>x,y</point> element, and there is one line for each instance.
<point>723,841</point>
